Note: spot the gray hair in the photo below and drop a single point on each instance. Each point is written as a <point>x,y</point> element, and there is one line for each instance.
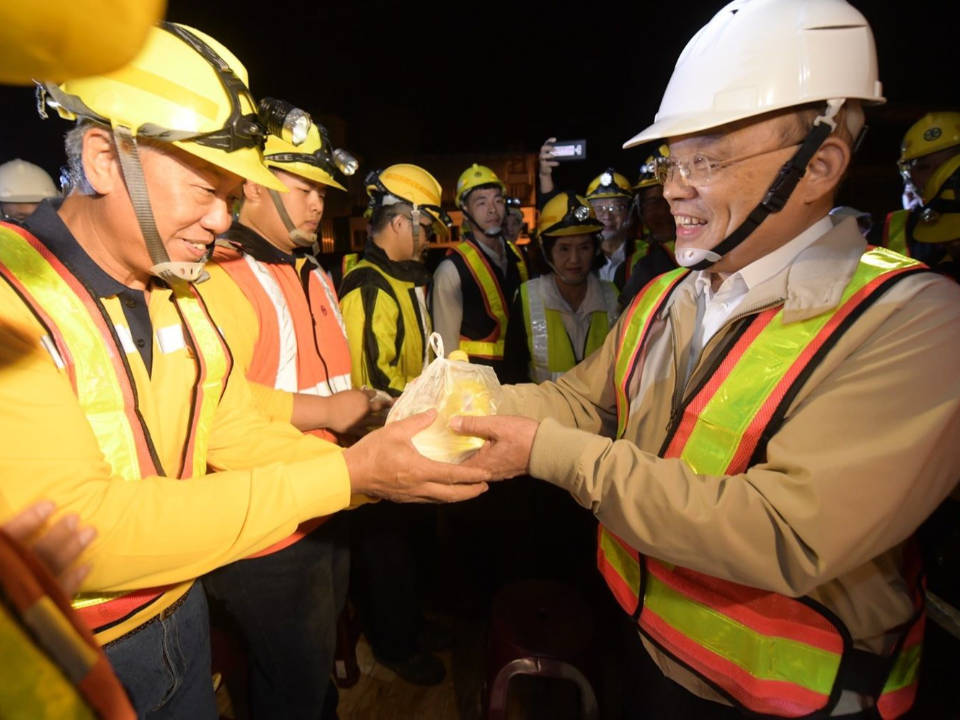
<point>73,146</point>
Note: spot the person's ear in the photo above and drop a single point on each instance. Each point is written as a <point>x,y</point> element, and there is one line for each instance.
<point>825,170</point>
<point>253,193</point>
<point>101,164</point>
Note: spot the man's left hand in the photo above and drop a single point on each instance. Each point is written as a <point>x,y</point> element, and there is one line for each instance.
<point>509,438</point>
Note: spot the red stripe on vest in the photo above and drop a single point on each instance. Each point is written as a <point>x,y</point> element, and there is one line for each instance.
<point>693,410</point>
<point>751,436</point>
<point>762,696</point>
<point>495,333</point>
<point>758,609</point>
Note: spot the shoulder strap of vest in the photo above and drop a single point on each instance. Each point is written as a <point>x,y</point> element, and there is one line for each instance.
<point>521,262</point>
<point>633,333</point>
<point>479,267</point>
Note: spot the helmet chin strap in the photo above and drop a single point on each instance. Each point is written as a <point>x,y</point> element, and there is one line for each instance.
<point>299,237</point>
<point>493,232</point>
<point>162,267</point>
<point>775,198</point>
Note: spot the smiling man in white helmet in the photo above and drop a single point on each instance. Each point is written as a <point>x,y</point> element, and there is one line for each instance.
<point>760,436</point>
<point>120,403</point>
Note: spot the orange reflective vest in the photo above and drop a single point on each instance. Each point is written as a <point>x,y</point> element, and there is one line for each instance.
<point>895,232</point>
<point>496,305</point>
<point>767,653</point>
<point>90,352</point>
<point>302,344</point>
<point>51,664</point>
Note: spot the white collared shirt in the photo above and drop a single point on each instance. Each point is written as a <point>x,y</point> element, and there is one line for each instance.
<point>715,308</point>
<point>609,269</point>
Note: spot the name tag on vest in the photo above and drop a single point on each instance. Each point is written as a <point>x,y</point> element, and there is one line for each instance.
<point>170,338</point>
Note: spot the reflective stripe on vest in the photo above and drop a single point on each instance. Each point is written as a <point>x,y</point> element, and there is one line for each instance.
<point>640,250</point>
<point>895,232</point>
<point>522,268</point>
<point>766,652</point>
<point>551,352</point>
<point>92,357</point>
<point>490,347</point>
<point>288,367</point>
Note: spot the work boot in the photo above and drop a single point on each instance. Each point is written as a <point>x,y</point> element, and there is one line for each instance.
<point>422,668</point>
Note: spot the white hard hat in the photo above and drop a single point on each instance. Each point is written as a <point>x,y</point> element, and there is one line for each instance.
<point>756,56</point>
<point>23,182</point>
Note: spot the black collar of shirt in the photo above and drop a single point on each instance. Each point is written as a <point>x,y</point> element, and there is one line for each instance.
<point>256,246</point>
<point>46,225</point>
<point>406,270</point>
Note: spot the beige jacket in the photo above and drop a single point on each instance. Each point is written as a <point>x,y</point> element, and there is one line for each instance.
<point>869,447</point>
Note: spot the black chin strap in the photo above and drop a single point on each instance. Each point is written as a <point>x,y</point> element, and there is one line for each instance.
<point>777,195</point>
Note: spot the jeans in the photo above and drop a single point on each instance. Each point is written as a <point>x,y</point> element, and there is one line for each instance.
<point>165,665</point>
<point>287,604</point>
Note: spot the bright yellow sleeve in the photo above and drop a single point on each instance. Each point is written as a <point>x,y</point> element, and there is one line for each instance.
<point>371,318</point>
<point>154,531</point>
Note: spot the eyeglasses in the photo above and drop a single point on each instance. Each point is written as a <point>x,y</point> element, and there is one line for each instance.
<point>699,169</point>
<point>427,229</point>
<point>611,208</point>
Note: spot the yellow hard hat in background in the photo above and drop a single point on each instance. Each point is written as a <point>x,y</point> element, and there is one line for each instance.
<point>567,214</point>
<point>648,172</point>
<point>474,177</point>
<point>409,184</point>
<point>171,92</point>
<point>938,220</point>
<point>932,133</point>
<point>609,184</point>
<point>55,40</point>
<point>313,160</point>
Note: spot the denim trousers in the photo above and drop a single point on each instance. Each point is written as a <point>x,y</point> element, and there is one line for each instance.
<point>165,664</point>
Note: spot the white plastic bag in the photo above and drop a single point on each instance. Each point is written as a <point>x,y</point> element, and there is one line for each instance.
<point>452,387</point>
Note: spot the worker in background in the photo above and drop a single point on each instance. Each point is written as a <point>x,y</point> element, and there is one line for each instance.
<point>23,186</point>
<point>474,286</point>
<point>741,435</point>
<point>383,299</point>
<point>927,145</point>
<point>655,247</point>
<point>935,226</point>
<point>567,313</point>
<point>281,318</point>
<point>513,220</point>
<point>122,402</point>
<point>611,198</point>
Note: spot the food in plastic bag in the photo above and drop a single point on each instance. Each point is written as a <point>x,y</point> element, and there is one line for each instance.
<point>453,387</point>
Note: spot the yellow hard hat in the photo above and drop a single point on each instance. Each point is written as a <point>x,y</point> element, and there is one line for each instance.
<point>609,184</point>
<point>71,39</point>
<point>567,214</point>
<point>939,219</point>
<point>474,177</point>
<point>932,133</point>
<point>648,173</point>
<point>409,184</point>
<point>312,160</point>
<point>173,91</point>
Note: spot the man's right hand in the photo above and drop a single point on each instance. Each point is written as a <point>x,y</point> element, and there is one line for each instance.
<point>547,163</point>
<point>385,464</point>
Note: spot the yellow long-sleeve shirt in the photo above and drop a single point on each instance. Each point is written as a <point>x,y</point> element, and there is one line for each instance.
<point>157,530</point>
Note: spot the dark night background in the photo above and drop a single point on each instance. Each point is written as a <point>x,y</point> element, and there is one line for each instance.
<point>435,78</point>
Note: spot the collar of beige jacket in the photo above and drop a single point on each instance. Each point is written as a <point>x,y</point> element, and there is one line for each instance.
<point>813,282</point>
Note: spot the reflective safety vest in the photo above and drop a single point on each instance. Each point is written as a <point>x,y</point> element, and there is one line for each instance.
<point>767,653</point>
<point>90,352</point>
<point>302,344</point>
<point>895,232</point>
<point>496,305</point>
<point>641,250</point>
<point>551,350</point>
<point>51,665</point>
<point>348,263</point>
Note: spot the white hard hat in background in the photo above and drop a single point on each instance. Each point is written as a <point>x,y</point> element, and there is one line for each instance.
<point>756,56</point>
<point>23,182</point>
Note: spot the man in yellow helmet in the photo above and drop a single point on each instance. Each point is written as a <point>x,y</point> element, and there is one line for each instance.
<point>742,435</point>
<point>281,317</point>
<point>475,284</point>
<point>122,404</point>
<point>927,145</point>
<point>611,198</point>
<point>935,226</point>
<point>383,298</point>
